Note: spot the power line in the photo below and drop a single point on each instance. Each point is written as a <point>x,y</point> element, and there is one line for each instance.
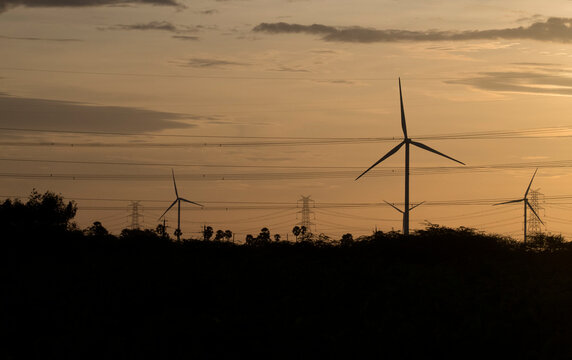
<point>273,176</point>
<point>386,171</point>
<point>550,132</point>
<point>285,207</point>
<point>109,133</point>
<point>234,77</point>
<point>132,163</point>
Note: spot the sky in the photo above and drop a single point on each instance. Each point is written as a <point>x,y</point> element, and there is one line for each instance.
<point>255,103</point>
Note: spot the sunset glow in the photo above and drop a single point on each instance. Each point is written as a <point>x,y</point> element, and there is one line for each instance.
<point>254,104</point>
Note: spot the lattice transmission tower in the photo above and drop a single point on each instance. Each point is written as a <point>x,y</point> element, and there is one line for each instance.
<point>135,208</point>
<point>536,200</point>
<point>306,213</point>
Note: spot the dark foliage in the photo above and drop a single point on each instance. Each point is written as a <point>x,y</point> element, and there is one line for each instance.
<point>439,292</point>
<point>42,214</point>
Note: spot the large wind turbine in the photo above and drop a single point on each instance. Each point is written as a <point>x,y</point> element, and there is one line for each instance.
<point>178,202</point>
<point>526,203</point>
<point>406,141</point>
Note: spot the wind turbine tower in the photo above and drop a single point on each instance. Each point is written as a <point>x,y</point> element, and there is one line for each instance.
<point>407,141</point>
<point>526,205</point>
<point>177,201</point>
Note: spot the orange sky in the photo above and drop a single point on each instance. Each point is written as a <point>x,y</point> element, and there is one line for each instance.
<point>242,69</point>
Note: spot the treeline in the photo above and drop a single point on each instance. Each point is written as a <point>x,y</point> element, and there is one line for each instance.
<point>48,215</point>
<point>85,294</point>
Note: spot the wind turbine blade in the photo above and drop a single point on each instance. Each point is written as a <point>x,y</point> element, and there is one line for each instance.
<point>413,207</point>
<point>403,124</point>
<point>393,206</point>
<point>389,153</point>
<point>169,208</point>
<point>509,202</point>
<point>190,202</point>
<point>425,147</point>
<point>534,211</point>
<point>528,188</point>
<point>175,183</point>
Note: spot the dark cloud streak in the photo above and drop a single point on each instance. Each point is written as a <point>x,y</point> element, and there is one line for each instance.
<point>520,81</point>
<point>211,63</point>
<point>73,116</point>
<point>39,39</point>
<point>153,25</point>
<point>186,38</point>
<point>8,4</point>
<point>553,29</point>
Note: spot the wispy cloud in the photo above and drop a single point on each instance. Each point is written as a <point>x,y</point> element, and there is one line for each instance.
<point>208,11</point>
<point>29,38</point>
<point>185,37</point>
<point>154,25</point>
<point>532,81</point>
<point>211,63</point>
<point>553,29</point>
<point>7,4</point>
<point>289,69</point>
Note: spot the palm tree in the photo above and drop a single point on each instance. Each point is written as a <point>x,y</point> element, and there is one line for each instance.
<point>296,231</point>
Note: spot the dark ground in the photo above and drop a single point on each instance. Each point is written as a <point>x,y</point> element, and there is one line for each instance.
<point>432,295</point>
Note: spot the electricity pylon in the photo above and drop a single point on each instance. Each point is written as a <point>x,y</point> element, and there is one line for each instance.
<point>536,199</point>
<point>306,212</point>
<point>135,215</point>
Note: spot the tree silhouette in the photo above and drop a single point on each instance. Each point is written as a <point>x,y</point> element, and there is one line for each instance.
<point>228,235</point>
<point>42,212</point>
<point>264,235</point>
<point>249,239</point>
<point>296,231</point>
<point>347,239</point>
<point>276,237</point>
<point>207,233</point>
<point>161,230</point>
<point>97,230</point>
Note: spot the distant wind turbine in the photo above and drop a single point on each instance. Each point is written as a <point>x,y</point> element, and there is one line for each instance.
<point>526,203</point>
<point>178,202</point>
<point>406,141</point>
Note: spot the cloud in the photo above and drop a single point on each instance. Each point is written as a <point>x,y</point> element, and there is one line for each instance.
<point>185,37</point>
<point>337,82</point>
<point>535,64</point>
<point>531,19</point>
<point>553,29</point>
<point>64,115</point>
<point>530,82</point>
<point>282,27</point>
<point>289,69</point>
<point>153,25</point>
<point>39,39</point>
<point>209,11</point>
<point>210,63</point>
<point>7,4</point>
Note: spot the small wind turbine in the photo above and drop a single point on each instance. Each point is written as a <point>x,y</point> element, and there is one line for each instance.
<point>178,202</point>
<point>407,141</point>
<point>526,203</point>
